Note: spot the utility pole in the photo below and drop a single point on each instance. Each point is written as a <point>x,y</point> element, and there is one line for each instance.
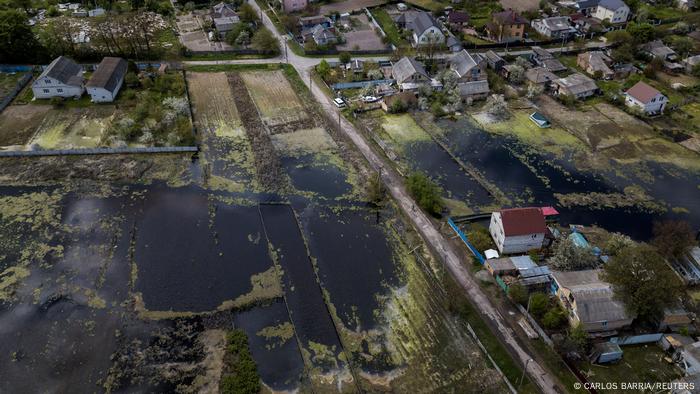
<point>523,375</point>
<point>286,58</point>
<point>339,120</point>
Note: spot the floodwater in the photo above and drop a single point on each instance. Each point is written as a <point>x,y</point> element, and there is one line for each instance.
<point>309,175</point>
<point>530,178</point>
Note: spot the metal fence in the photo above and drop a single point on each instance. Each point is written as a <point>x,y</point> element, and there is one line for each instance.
<point>464,238</point>
<point>98,151</point>
<point>360,84</point>
<point>18,88</point>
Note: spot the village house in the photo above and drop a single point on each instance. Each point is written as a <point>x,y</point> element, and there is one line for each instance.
<point>518,230</point>
<point>409,74</point>
<point>540,76</point>
<point>105,82</point>
<point>686,5</point>
<point>222,10</point>
<point>468,67</point>
<point>293,5</point>
<point>506,26</point>
<point>657,49</point>
<point>595,63</point>
<point>225,24</point>
<point>557,27</point>
<point>99,11</point>
<point>575,85</point>
<point>425,28</point>
<point>458,20</point>
<point>473,90</point>
<point>61,78</point>
<point>615,11</point>
<point>307,22</point>
<point>321,35</point>
<point>453,44</point>
<point>691,62</point>
<point>590,302</point>
<point>543,58</point>
<point>494,61</point>
<point>645,98</point>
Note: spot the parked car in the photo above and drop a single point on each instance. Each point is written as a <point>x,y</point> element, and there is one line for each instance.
<point>370,99</point>
<point>339,102</point>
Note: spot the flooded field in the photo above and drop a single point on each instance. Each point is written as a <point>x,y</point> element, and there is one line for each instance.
<point>125,276</point>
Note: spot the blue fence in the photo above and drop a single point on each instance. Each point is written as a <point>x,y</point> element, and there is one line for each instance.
<point>360,84</point>
<point>636,339</point>
<point>13,68</point>
<point>464,238</point>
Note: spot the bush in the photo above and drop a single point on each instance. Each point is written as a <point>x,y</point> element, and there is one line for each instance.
<point>554,318</point>
<point>426,193</point>
<point>539,302</point>
<point>479,237</point>
<point>240,375</point>
<point>264,41</point>
<point>518,293</point>
<point>56,101</point>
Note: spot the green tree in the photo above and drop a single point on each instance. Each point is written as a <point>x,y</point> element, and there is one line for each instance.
<point>578,337</point>
<point>479,237</point>
<point>641,32</point>
<point>673,238</point>
<point>17,41</point>
<point>345,57</point>
<point>233,34</point>
<point>539,303</point>
<point>243,39</point>
<point>240,374</point>
<point>683,46</point>
<point>426,193</point>
<point>248,14</point>
<point>265,41</point>
<point>618,37</point>
<point>554,318</point>
<point>323,69</point>
<point>518,293</point>
<point>696,71</point>
<point>643,281</point>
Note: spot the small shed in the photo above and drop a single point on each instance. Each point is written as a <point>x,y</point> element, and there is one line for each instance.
<point>605,352</point>
<point>502,266</point>
<point>539,120</point>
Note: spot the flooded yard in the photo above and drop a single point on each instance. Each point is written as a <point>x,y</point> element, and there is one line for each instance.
<point>131,284</point>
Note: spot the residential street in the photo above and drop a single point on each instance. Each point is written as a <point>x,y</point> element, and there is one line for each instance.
<point>422,223</point>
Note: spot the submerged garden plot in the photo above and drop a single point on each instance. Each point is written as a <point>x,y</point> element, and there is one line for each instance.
<point>274,97</point>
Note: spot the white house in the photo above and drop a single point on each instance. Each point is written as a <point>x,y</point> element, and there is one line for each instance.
<point>554,27</point>
<point>62,78</point>
<point>518,230</point>
<point>616,11</point>
<point>646,98</point>
<point>426,30</point>
<point>106,81</point>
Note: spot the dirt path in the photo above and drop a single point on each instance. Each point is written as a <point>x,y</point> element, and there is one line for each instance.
<point>268,167</point>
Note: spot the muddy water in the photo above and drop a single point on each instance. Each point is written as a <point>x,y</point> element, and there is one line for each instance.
<point>532,178</point>
<point>354,258</point>
<point>303,294</point>
<point>193,254</point>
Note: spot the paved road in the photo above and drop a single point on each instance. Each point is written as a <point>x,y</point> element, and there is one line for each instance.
<point>427,228</point>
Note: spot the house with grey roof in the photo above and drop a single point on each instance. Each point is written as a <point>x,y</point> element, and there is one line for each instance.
<point>657,49</point>
<point>595,62</point>
<point>105,82</point>
<point>691,62</point>
<point>557,27</point>
<point>409,74</point>
<point>540,76</point>
<point>225,24</point>
<point>425,28</point>
<point>590,301</point>
<point>575,85</point>
<point>468,67</point>
<point>474,90</point>
<point>541,57</point>
<point>222,10</point>
<point>61,78</point>
<point>323,35</point>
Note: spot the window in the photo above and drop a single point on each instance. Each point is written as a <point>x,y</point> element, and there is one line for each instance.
<point>47,81</point>
<point>59,90</point>
<point>46,90</point>
<point>653,100</point>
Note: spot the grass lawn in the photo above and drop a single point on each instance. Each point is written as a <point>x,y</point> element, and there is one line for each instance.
<point>431,5</point>
<point>388,25</point>
<point>643,363</point>
<point>662,12</point>
<point>475,40</point>
<point>555,364</point>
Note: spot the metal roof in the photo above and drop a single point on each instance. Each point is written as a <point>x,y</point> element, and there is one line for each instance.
<point>64,70</point>
<point>462,62</point>
<point>473,87</point>
<point>405,68</point>
<point>109,73</point>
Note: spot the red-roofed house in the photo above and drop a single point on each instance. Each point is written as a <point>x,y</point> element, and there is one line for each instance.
<point>518,230</point>
<point>646,98</point>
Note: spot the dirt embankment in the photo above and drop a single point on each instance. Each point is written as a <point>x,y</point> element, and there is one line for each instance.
<point>267,163</point>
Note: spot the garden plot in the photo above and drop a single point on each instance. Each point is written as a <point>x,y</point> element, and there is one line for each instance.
<point>214,108</point>
<point>274,97</point>
<point>49,128</point>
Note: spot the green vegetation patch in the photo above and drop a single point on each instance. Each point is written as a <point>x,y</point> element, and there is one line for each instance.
<point>240,374</point>
<point>388,25</point>
<point>266,286</point>
<point>403,130</point>
<point>277,335</point>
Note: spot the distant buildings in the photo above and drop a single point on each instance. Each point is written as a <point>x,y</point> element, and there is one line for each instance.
<point>590,301</point>
<point>646,99</point>
<point>506,26</point>
<point>106,81</point>
<point>543,58</point>
<point>61,78</point>
<point>518,230</point>
<point>470,70</point>
<point>657,49</point>
<point>575,85</point>
<point>224,18</point>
